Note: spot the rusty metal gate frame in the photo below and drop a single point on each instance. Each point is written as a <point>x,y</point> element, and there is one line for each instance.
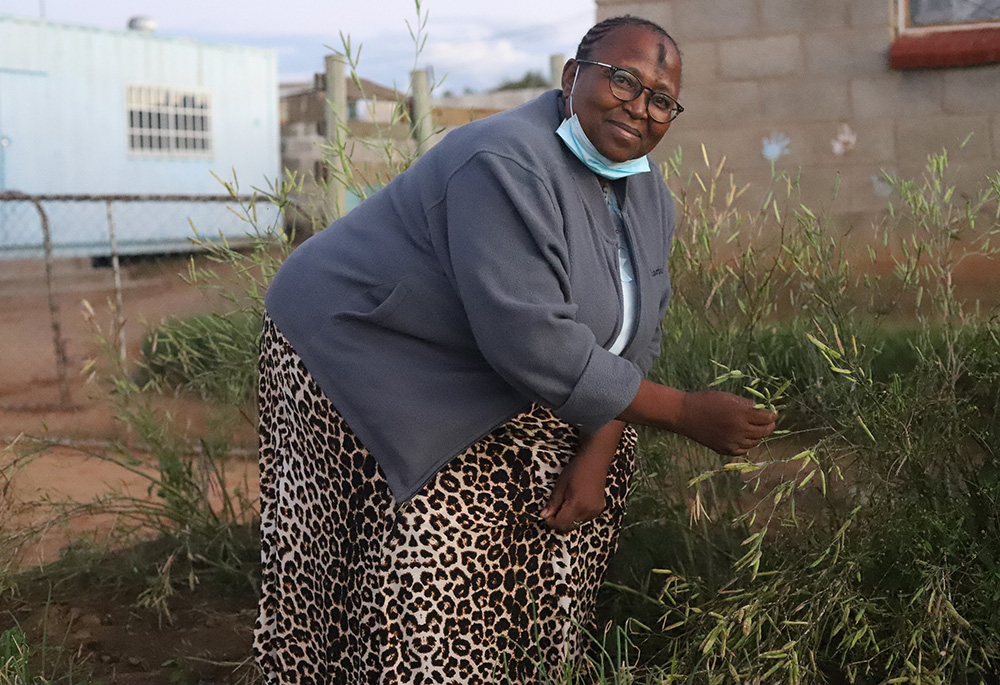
<point>65,399</point>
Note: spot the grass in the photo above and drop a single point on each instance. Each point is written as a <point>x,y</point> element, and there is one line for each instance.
<point>14,654</point>
<point>213,356</point>
<point>857,548</point>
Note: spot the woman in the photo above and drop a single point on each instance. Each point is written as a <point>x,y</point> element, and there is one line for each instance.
<point>446,377</point>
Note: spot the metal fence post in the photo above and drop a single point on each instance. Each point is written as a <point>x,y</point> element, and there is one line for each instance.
<point>116,268</point>
<point>65,399</point>
<point>57,339</point>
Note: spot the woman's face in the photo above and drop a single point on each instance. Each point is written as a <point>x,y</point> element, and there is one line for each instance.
<point>623,130</point>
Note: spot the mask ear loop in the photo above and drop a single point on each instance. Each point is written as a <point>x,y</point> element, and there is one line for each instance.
<point>572,88</point>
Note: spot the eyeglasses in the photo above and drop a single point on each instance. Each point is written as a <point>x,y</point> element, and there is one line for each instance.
<point>626,86</point>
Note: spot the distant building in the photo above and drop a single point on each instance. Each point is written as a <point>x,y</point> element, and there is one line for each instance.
<point>376,116</point>
<point>87,110</point>
<point>451,111</point>
<point>379,131</point>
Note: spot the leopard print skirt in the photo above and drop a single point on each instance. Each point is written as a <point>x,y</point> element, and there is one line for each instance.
<point>464,583</point>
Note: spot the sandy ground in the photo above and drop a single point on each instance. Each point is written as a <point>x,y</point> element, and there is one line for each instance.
<point>150,293</point>
<point>30,393</point>
<point>51,492</point>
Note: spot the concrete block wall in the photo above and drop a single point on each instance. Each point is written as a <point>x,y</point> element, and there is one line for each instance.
<point>803,69</point>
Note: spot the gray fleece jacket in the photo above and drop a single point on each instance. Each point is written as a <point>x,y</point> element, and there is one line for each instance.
<point>480,281</point>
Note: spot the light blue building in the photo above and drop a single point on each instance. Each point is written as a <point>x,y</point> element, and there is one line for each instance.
<point>95,111</point>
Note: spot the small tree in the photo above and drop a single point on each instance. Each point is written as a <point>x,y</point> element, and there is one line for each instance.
<point>531,79</point>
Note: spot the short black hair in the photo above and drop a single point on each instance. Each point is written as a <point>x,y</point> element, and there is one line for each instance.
<point>603,28</point>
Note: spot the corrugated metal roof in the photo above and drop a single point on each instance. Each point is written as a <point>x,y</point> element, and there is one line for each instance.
<point>144,35</point>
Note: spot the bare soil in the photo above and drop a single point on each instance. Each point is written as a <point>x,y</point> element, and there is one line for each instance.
<point>85,624</point>
<point>97,633</point>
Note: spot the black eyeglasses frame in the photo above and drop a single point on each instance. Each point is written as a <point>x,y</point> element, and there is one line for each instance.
<point>676,109</point>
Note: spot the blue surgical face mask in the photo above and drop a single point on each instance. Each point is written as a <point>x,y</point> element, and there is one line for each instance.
<point>572,134</point>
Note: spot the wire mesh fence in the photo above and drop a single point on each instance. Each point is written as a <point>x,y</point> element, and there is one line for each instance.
<point>40,232</point>
<point>81,225</point>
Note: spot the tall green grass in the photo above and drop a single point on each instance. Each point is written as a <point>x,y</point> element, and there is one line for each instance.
<point>860,547</point>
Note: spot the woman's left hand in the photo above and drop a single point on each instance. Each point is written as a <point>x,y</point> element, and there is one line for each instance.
<point>578,495</point>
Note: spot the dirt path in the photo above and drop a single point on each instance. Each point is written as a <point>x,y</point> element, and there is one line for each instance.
<point>64,478</point>
<point>151,292</point>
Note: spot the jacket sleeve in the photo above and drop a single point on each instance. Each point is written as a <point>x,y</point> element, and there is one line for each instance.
<point>508,253</point>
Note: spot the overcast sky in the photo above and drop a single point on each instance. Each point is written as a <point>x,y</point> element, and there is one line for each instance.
<point>472,43</point>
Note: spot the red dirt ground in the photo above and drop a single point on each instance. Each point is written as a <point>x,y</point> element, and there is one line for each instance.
<point>98,629</point>
<point>150,293</point>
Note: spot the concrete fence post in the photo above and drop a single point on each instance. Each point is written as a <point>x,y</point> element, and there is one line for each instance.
<point>422,124</point>
<point>336,121</point>
<point>556,63</point>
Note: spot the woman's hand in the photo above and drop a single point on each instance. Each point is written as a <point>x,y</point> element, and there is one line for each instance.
<point>578,495</point>
<point>726,423</point>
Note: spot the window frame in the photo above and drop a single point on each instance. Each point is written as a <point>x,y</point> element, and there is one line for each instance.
<point>169,122</point>
<point>942,45</point>
<point>903,25</point>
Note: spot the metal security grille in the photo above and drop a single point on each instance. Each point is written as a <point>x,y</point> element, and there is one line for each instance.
<point>166,122</point>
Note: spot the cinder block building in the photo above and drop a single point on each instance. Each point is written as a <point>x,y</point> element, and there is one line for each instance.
<point>372,111</point>
<point>835,88</point>
<point>377,133</point>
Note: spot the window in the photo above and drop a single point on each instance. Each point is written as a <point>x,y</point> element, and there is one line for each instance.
<point>166,122</point>
<point>945,33</point>
<point>926,13</point>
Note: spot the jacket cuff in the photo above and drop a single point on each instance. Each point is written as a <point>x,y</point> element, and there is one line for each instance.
<point>607,386</point>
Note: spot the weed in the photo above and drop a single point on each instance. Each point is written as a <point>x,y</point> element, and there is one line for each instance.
<point>14,654</point>
<point>857,547</point>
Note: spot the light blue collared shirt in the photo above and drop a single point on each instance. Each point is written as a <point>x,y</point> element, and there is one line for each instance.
<point>625,272</point>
